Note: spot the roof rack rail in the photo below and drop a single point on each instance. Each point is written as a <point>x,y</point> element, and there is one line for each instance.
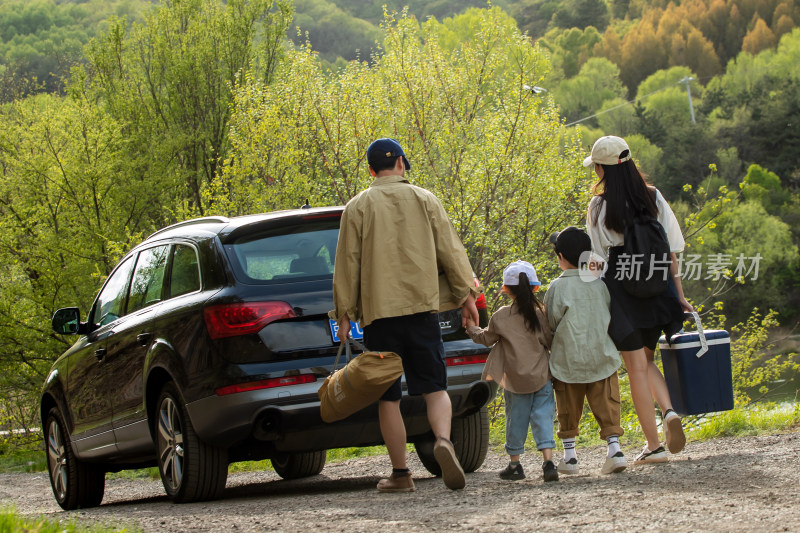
<point>202,220</point>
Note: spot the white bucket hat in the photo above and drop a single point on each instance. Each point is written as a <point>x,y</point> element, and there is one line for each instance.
<point>607,151</point>
<point>512,272</point>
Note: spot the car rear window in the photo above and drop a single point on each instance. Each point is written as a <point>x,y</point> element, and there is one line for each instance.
<point>296,252</point>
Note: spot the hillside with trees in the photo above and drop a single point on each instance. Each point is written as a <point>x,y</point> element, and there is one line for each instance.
<point>121,117</point>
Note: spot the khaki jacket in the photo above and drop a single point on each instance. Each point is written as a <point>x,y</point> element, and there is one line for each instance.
<point>518,361</point>
<point>395,240</point>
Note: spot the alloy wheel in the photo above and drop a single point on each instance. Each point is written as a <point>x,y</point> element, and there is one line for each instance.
<point>170,440</point>
<point>57,459</point>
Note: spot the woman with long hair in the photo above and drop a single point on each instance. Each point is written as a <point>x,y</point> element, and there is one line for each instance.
<point>621,193</point>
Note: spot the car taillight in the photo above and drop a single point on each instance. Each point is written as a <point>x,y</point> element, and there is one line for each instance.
<point>267,384</point>
<point>230,320</point>
<point>480,302</point>
<point>466,360</point>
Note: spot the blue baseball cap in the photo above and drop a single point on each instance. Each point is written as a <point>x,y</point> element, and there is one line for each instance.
<point>382,149</point>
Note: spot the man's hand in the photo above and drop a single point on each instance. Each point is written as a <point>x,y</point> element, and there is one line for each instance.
<point>469,312</point>
<point>344,328</point>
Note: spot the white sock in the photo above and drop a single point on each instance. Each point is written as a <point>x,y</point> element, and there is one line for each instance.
<point>670,414</point>
<point>569,449</point>
<point>613,445</point>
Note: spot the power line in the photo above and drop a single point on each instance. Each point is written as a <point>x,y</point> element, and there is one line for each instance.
<point>684,80</point>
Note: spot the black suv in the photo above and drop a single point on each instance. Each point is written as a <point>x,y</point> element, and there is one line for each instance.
<point>206,346</point>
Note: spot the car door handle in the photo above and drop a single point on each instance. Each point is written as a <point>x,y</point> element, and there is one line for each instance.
<point>100,354</point>
<point>144,338</point>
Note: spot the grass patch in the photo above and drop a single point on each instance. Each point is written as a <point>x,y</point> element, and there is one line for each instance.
<point>23,461</point>
<point>333,456</point>
<point>753,420</point>
<point>10,521</point>
<point>138,473</point>
<point>345,454</point>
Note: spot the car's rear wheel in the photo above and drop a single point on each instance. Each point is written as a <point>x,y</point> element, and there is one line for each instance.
<point>470,436</point>
<point>75,484</point>
<point>190,469</point>
<point>297,465</point>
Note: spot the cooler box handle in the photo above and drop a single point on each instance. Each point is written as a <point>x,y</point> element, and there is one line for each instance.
<point>700,333</point>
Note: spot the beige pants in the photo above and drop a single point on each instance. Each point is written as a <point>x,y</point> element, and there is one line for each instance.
<point>603,398</point>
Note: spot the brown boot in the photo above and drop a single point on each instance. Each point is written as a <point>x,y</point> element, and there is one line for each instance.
<point>452,473</point>
<point>397,483</point>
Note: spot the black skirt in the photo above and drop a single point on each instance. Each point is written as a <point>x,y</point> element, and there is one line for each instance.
<point>630,313</point>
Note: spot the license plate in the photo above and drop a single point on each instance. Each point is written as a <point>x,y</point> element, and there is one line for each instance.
<point>355,330</point>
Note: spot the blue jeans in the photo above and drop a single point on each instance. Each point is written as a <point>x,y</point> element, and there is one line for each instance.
<point>537,410</point>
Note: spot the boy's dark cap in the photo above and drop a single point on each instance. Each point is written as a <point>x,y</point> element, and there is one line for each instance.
<point>382,149</point>
<point>571,242</point>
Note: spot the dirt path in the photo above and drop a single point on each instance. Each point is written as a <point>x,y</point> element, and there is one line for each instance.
<point>742,484</point>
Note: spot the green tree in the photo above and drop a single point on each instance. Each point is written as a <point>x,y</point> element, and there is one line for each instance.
<point>170,80</point>
<point>582,14</point>
<point>69,205</point>
<point>571,48</point>
<point>332,31</point>
<point>489,149</point>
<point>584,95</point>
<point>619,117</point>
<point>755,107</point>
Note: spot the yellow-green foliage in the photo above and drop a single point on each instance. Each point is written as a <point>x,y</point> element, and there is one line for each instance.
<point>493,152</point>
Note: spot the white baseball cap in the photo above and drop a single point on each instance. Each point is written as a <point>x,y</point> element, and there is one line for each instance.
<point>512,272</point>
<point>607,150</point>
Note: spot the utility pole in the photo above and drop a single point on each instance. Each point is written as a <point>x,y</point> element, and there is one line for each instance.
<point>686,80</point>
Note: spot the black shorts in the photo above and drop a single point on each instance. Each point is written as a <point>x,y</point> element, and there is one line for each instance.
<point>640,338</point>
<point>418,340</point>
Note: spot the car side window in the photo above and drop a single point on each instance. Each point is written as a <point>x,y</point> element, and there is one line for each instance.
<point>110,303</point>
<point>185,275</point>
<point>148,278</point>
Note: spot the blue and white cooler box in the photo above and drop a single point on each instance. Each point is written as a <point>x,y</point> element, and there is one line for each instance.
<point>697,367</point>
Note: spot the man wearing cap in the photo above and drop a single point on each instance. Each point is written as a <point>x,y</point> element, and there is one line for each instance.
<point>395,240</point>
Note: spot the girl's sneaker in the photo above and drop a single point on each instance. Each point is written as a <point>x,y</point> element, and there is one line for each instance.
<point>568,467</point>
<point>512,473</point>
<point>549,471</point>
<point>659,455</point>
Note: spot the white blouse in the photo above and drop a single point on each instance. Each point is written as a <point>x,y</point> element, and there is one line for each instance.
<point>604,238</point>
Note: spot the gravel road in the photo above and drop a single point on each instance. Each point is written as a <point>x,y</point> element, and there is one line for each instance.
<point>735,484</point>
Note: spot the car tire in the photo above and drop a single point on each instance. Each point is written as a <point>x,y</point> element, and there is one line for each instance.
<point>75,484</point>
<point>299,465</point>
<point>470,436</point>
<point>190,469</point>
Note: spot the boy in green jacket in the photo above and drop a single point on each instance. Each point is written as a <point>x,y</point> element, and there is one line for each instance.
<point>583,358</point>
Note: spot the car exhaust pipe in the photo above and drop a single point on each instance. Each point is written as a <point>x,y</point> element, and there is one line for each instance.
<point>479,396</point>
<point>267,426</point>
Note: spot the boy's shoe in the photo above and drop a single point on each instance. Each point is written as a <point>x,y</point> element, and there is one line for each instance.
<point>614,464</point>
<point>452,473</point>
<point>549,471</point>
<point>659,455</point>
<point>568,467</point>
<point>397,483</point>
<point>513,473</point>
<point>673,431</point>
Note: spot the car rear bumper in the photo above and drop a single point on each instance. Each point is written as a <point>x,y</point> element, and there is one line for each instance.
<point>288,418</point>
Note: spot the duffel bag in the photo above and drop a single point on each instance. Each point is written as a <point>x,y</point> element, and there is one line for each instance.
<point>359,383</point>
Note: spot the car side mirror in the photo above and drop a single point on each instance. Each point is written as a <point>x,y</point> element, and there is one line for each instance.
<point>67,321</point>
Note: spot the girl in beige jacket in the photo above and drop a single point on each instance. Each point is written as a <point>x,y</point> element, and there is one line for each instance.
<point>519,362</point>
